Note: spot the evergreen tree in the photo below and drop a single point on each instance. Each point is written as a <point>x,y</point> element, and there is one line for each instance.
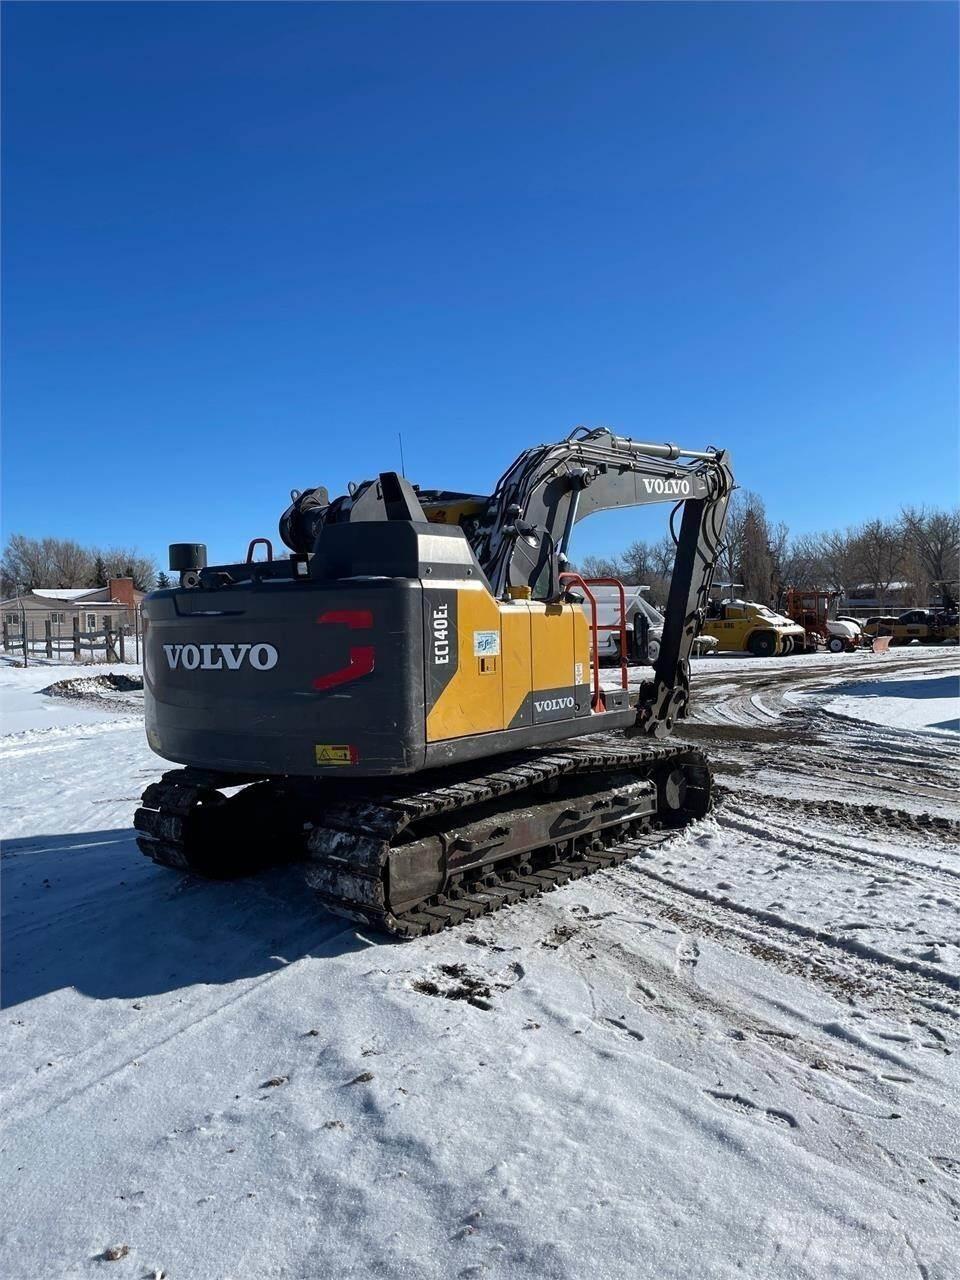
<point>757,565</point>
<point>99,572</point>
<point>163,581</point>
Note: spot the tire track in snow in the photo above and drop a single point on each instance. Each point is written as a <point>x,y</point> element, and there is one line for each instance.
<point>665,988</point>
<point>30,742</point>
<point>855,814</point>
<point>882,973</point>
<point>672,995</point>
<point>765,829</point>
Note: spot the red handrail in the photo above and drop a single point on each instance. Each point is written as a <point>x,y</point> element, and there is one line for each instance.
<point>597,702</point>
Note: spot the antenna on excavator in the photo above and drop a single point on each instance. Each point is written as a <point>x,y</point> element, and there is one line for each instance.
<point>403,470</point>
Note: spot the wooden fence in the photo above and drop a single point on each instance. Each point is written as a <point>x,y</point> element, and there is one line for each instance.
<point>67,643</point>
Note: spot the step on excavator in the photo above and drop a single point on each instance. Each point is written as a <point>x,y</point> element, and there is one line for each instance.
<point>409,702</point>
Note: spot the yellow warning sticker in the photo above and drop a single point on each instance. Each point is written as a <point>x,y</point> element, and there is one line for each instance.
<point>327,753</point>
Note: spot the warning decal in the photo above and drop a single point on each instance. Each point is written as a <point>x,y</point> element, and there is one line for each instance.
<point>327,753</point>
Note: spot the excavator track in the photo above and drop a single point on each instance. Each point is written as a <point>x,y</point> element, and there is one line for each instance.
<point>415,855</point>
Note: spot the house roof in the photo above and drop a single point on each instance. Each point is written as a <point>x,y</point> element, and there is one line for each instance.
<point>79,596</point>
<point>65,593</point>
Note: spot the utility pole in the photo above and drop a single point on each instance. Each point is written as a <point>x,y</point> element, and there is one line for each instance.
<point>23,625</point>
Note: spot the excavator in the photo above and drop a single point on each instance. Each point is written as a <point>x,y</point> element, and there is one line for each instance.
<point>409,702</point>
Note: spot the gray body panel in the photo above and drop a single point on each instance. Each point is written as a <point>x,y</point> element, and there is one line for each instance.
<point>273,720</point>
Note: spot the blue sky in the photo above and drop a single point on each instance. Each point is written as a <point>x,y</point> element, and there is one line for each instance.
<point>246,245</point>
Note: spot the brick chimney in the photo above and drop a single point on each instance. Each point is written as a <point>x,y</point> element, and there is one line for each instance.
<point>121,591</point>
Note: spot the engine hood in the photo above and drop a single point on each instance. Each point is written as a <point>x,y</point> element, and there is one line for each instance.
<point>849,630</point>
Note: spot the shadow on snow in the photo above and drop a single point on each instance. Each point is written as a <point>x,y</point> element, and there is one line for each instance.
<point>88,910</point>
<point>934,687</point>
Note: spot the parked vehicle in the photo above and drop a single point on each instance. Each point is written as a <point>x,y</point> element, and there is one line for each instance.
<point>740,626</point>
<point>815,610</point>
<point>928,626</point>
<point>644,626</point>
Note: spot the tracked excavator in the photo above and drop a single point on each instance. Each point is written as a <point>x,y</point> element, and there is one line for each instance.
<point>409,702</point>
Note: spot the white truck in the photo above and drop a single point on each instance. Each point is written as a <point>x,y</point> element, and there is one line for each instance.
<point>642,621</point>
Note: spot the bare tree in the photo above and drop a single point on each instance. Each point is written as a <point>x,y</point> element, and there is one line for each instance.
<point>730,560</point>
<point>799,563</point>
<point>747,558</point>
<point>129,562</point>
<point>600,567</point>
<point>932,541</point>
<point>70,563</point>
<point>25,564</point>
<point>31,564</point>
<point>778,544</point>
<point>662,556</point>
<point>880,551</point>
<point>37,563</point>
<point>836,560</point>
<point>757,568</point>
<point>916,589</point>
<point>636,562</point>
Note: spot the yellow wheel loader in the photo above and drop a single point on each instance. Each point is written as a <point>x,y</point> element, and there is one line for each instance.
<point>741,627</point>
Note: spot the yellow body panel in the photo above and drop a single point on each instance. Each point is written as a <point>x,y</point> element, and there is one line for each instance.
<point>552,644</point>
<point>540,648</point>
<point>517,658</point>
<point>473,700</point>
<point>451,512</point>
<point>581,648</point>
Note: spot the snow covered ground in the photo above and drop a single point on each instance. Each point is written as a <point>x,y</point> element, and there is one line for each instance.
<point>734,1056</point>
<point>23,710</point>
<point>929,704</point>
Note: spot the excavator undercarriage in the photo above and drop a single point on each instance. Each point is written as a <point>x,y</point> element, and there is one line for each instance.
<point>405,703</point>
<point>440,847</point>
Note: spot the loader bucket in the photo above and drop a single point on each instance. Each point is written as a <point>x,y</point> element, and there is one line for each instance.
<point>881,644</point>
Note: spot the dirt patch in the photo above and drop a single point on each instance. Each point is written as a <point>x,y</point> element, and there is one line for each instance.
<point>697,731</point>
<point>456,982</point>
<point>117,692</point>
<point>558,936</point>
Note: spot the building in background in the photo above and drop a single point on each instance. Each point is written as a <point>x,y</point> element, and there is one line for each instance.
<point>97,610</point>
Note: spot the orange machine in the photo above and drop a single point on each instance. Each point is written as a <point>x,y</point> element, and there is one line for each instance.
<point>815,610</point>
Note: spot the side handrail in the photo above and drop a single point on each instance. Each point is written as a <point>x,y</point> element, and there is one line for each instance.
<point>575,579</point>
